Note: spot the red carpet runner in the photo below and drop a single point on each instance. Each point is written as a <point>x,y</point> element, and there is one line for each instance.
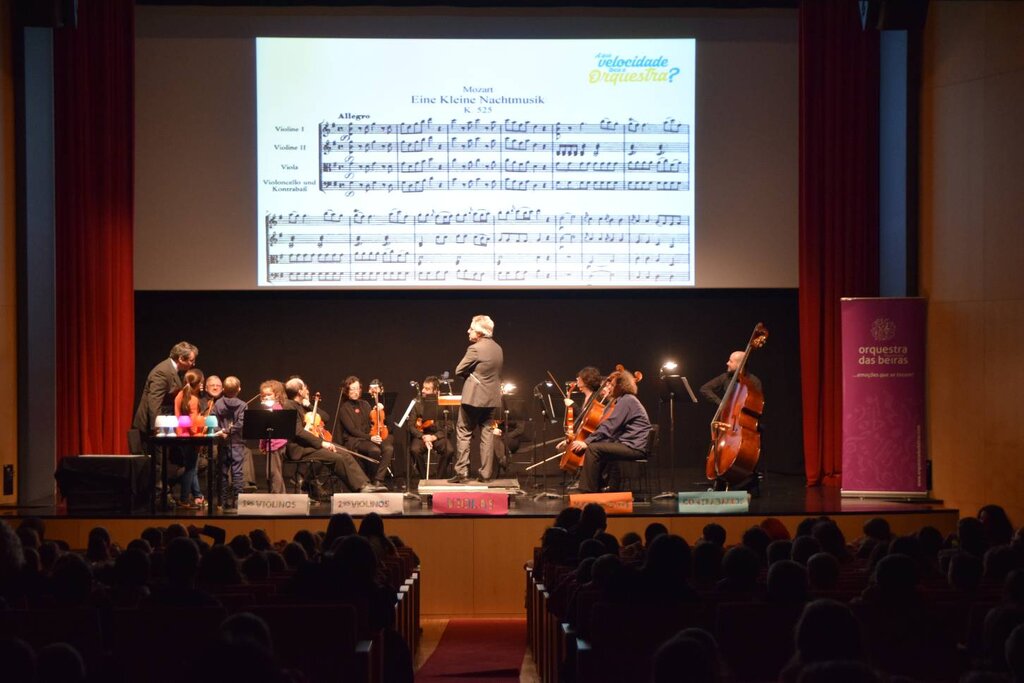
<point>477,650</point>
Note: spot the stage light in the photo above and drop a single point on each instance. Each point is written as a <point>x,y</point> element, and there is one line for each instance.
<point>669,368</point>
<point>508,388</point>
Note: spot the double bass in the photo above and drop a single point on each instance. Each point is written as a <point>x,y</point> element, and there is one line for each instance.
<point>735,437</point>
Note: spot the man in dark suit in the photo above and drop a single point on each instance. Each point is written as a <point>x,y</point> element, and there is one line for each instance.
<point>162,383</point>
<point>481,398</point>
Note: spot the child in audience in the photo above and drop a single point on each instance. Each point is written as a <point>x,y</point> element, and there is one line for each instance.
<point>230,413</point>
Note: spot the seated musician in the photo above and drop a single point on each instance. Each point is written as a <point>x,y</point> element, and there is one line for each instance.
<point>427,425</point>
<point>623,435</point>
<point>356,423</point>
<point>508,432</point>
<point>308,446</point>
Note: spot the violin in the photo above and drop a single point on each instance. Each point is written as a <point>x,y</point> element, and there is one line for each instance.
<point>735,436</point>
<point>377,424</point>
<point>314,423</point>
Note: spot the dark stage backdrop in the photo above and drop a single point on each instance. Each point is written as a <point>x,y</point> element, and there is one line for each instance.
<point>403,336</point>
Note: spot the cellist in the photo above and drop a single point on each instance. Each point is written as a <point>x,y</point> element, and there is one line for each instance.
<point>622,435</point>
<point>355,419</point>
<point>427,425</point>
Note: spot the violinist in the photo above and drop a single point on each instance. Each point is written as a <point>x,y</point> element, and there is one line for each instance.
<point>309,446</point>
<point>714,390</point>
<point>356,422</point>
<point>427,425</point>
<point>622,435</point>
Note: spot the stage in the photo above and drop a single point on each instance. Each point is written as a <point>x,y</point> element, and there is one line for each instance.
<point>472,564</point>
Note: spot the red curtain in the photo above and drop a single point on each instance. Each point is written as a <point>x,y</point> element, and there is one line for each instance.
<point>838,209</point>
<point>94,117</point>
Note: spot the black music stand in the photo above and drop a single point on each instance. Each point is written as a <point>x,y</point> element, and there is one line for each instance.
<point>264,425</point>
<point>671,388</point>
<point>543,392</point>
<point>401,424</point>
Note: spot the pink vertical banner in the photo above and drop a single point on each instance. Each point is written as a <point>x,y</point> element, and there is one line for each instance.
<point>883,357</point>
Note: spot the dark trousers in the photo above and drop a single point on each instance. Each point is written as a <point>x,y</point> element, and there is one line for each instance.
<point>384,453</point>
<point>599,455</point>
<point>232,458</point>
<point>441,455</point>
<point>345,466</point>
<point>470,418</point>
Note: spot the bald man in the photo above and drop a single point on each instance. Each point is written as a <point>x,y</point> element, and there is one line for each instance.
<point>714,391</point>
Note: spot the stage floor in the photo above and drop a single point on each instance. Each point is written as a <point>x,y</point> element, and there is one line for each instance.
<point>781,495</point>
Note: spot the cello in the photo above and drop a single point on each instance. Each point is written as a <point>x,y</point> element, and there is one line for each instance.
<point>735,437</point>
<point>601,406</point>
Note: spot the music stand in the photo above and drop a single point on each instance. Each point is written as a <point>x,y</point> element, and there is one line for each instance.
<point>408,451</point>
<point>264,425</point>
<point>543,393</point>
<point>672,387</point>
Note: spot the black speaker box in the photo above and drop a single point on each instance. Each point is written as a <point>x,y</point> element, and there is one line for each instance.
<point>105,484</point>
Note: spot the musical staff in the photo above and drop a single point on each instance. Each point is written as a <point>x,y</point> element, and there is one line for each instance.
<point>513,156</point>
<point>514,245</point>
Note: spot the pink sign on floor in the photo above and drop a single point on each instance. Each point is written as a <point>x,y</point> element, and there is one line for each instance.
<point>470,503</point>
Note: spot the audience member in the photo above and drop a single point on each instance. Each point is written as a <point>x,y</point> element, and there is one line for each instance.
<point>714,533</point>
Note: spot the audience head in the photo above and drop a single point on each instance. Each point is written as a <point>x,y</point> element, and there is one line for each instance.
<point>591,548</point>
<point>822,571</point>
<point>72,580</point>
<point>806,525</point>
<point>653,530</point>
<point>98,545</point>
<point>996,524</point>
<point>131,569</point>
<point>307,540</point>
<point>372,526</point>
<point>610,543</point>
<point>714,533</point>
<point>59,663</point>
<point>174,531</point>
<point>256,567</point>
<point>1000,622</point>
<point>896,576</point>
<point>775,529</point>
<point>1013,587</point>
<point>260,540</point>
<point>19,660</point>
<point>740,567</point>
<point>154,536</point>
<point>247,627</point>
<point>48,554</point>
<point>631,538</point>
<point>965,572</point>
<point>877,528</point>
<point>999,561</point>
<point>294,555</point>
<point>971,535</point>
<point>568,518</point>
<point>354,562</point>
<point>779,550</point>
<point>707,562</point>
<point>12,555</point>
<point>757,540</point>
<point>685,652</point>
<point>557,545</point>
<point>667,559</point>
<point>839,671</point>
<point>831,538</point>
<point>803,548</point>
<point>826,631</point>
<point>593,519</point>
<point>241,545</point>
<point>931,540</point>
<point>181,561</point>
<point>28,536</point>
<point>339,526</point>
<point>603,569</point>
<point>219,566</point>
<point>787,583</point>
